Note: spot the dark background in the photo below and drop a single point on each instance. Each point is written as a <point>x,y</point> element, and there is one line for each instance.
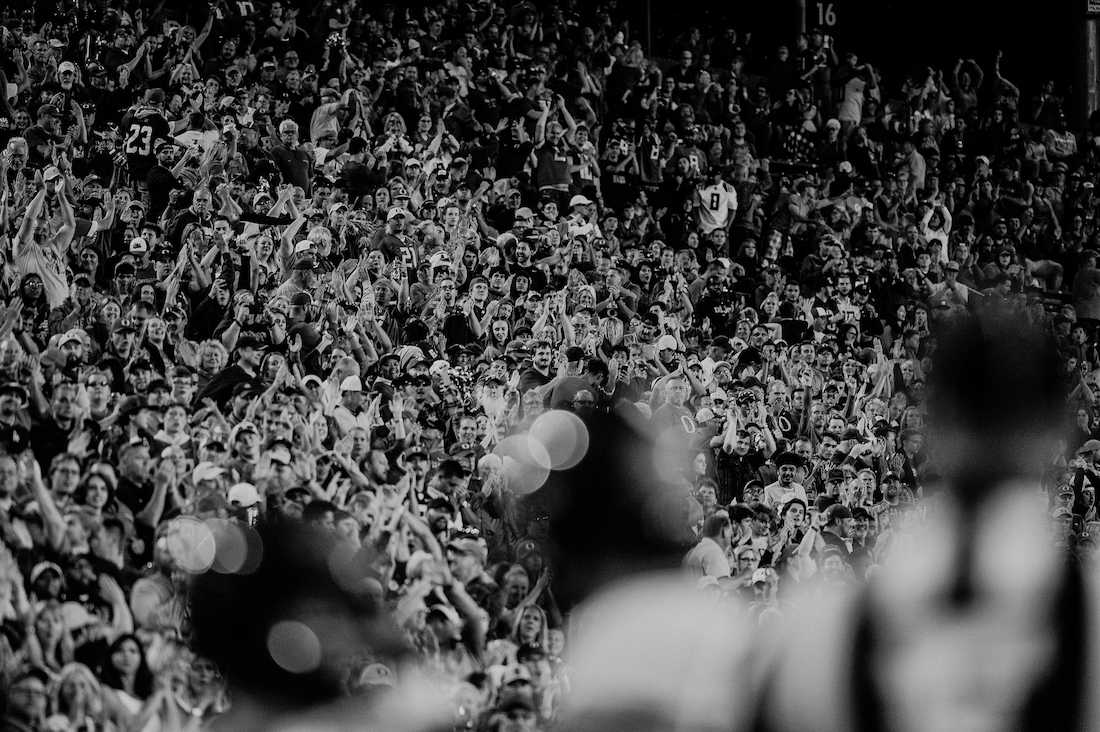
<point>1041,39</point>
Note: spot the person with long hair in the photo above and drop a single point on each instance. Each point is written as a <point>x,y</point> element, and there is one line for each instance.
<point>129,686</point>
<point>530,627</point>
<point>49,644</point>
<point>76,701</point>
<point>496,337</point>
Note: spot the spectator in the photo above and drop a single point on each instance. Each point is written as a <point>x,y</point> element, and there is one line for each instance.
<point>379,279</point>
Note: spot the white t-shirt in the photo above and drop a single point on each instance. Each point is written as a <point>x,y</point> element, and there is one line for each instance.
<point>45,261</point>
<point>206,140</point>
<point>346,421</point>
<point>717,205</point>
<point>777,495</point>
<point>706,559</point>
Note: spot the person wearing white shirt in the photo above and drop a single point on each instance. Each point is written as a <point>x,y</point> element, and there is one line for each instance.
<point>350,413</point>
<point>716,204</point>
<point>708,557</point>
<point>784,489</point>
<point>940,230</point>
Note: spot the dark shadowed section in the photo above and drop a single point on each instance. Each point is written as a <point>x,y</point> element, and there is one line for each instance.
<point>996,388</point>
<point>234,614</point>
<point>610,515</point>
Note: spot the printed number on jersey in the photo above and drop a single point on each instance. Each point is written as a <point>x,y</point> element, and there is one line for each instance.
<point>140,140</point>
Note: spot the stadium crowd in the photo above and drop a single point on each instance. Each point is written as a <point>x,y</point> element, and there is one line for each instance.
<point>319,263</point>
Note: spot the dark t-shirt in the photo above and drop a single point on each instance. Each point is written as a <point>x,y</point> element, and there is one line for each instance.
<point>220,388</point>
<point>296,166</point>
<point>36,137</point>
<point>669,415</point>
<point>531,378</point>
<point>561,397</point>
<point>143,129</point>
<point>553,165</point>
<point>533,274</point>
<point>160,183</point>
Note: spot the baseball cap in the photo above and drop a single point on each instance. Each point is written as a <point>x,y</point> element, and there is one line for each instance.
<point>51,172</point>
<point>48,110</point>
<point>787,458</point>
<point>66,66</point>
<point>138,245</point>
<point>395,212</point>
<point>524,213</point>
<point>351,383</point>
<point>43,567</point>
<point>73,334</point>
<point>14,387</point>
<point>244,494</point>
<point>280,452</point>
<point>667,342</point>
<point>837,512</point>
<point>579,200</point>
<point>248,341</point>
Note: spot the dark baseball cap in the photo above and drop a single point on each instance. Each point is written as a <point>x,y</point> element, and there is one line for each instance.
<point>248,341</point>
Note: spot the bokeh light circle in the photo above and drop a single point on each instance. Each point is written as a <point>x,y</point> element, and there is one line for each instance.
<point>564,437</point>
<point>294,647</point>
<point>526,463</point>
<point>191,544</point>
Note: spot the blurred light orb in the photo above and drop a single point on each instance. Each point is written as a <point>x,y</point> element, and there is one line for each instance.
<point>526,463</point>
<point>294,647</point>
<point>564,437</point>
<point>191,544</point>
<point>670,455</point>
<point>238,547</point>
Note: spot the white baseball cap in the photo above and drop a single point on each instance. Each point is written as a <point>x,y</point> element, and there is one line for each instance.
<point>244,494</point>
<point>351,383</point>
